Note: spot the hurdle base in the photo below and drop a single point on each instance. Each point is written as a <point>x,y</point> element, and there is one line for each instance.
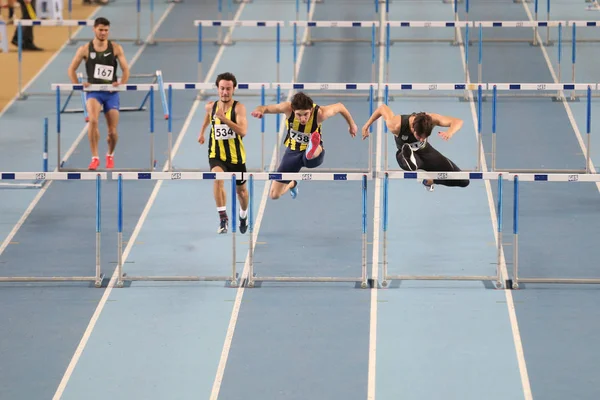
<point>97,280</point>
<point>541,171</point>
<point>122,109</point>
<point>114,170</point>
<point>22,185</point>
<point>251,283</point>
<point>568,99</point>
<point>229,281</point>
<point>515,284</point>
<point>462,99</point>
<point>387,279</point>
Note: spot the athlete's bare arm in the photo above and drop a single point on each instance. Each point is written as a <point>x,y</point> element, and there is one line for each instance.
<point>280,108</point>
<point>120,54</point>
<point>205,123</point>
<point>392,121</point>
<point>448,122</point>
<point>80,55</point>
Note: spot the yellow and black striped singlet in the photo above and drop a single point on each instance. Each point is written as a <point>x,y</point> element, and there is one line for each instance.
<point>224,143</point>
<point>298,135</point>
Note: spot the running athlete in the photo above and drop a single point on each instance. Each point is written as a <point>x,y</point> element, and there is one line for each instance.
<point>303,144</point>
<point>226,152</point>
<point>411,133</point>
<point>101,56</point>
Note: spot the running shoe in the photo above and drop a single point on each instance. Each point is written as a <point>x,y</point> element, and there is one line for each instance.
<point>313,144</point>
<point>94,164</point>
<point>243,225</point>
<point>222,226</point>
<point>110,162</point>
<point>428,186</point>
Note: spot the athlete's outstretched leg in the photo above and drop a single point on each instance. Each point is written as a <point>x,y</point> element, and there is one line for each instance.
<point>432,160</point>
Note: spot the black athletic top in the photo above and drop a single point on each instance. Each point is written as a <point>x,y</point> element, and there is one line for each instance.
<point>101,67</point>
<point>406,136</point>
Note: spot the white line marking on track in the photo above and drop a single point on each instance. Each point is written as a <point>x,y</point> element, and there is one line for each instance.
<point>94,319</point>
<point>372,364</point>
<point>508,293</point>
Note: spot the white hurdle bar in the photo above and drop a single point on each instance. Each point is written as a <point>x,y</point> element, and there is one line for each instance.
<point>387,175</point>
<point>251,177</point>
<point>98,277</point>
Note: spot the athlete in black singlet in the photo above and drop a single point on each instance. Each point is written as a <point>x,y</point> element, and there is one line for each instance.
<point>102,57</point>
<point>414,151</point>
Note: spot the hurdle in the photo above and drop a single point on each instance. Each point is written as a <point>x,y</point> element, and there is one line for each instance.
<point>452,88</point>
<point>388,175</point>
<point>232,280</point>
<point>156,78</point>
<point>57,88</point>
<point>332,177</point>
<point>224,23</point>
<point>335,24</point>
<point>98,277</point>
<point>36,183</point>
<point>516,280</point>
<point>170,86</point>
<point>553,87</point>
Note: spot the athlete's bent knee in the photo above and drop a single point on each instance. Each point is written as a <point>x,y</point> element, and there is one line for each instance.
<point>464,182</point>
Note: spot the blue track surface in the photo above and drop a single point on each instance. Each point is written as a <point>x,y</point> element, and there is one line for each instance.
<point>413,340</point>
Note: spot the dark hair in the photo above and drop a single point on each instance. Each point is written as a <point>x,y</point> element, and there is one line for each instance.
<point>423,125</point>
<point>101,21</point>
<point>301,101</point>
<point>226,76</point>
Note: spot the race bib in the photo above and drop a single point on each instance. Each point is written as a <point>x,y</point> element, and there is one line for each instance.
<point>104,72</point>
<point>299,137</point>
<point>223,132</point>
<point>417,145</point>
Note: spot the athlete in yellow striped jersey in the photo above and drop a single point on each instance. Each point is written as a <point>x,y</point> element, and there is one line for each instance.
<point>226,152</point>
<point>303,144</point>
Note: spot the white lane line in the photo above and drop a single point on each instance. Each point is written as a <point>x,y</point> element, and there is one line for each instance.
<point>94,319</point>
<point>508,293</point>
<point>372,364</point>
<point>263,203</point>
